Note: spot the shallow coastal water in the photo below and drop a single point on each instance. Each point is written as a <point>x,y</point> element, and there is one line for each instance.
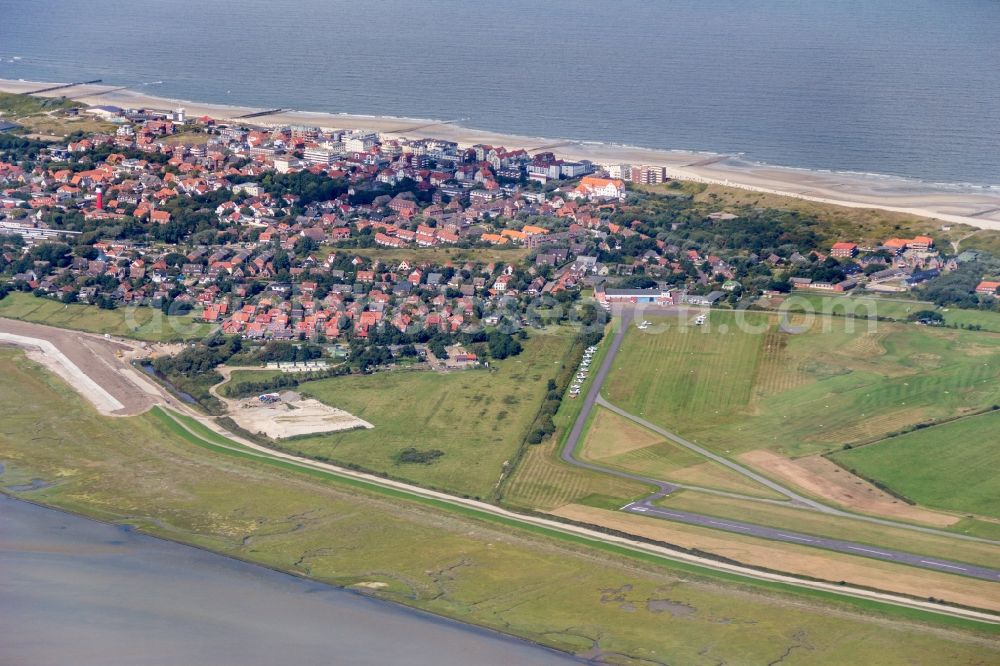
<point>877,86</point>
<point>75,591</point>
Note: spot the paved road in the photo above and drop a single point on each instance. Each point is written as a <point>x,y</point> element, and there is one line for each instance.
<point>647,508</point>
<point>417,491</point>
<point>795,498</point>
<point>568,452</point>
<point>800,502</point>
<point>246,447</point>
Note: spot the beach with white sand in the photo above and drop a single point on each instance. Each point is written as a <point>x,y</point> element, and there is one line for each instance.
<point>976,206</point>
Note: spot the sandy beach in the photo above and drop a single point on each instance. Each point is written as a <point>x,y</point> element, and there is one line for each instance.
<point>952,204</point>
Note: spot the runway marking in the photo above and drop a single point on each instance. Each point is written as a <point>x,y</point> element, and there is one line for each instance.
<point>668,513</point>
<point>942,564</point>
<point>868,550</point>
<point>781,535</point>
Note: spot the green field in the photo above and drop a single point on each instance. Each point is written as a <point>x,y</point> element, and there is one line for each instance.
<point>953,466</point>
<point>478,418</point>
<point>891,307</point>
<point>988,320</point>
<point>251,376</point>
<point>554,591</point>
<point>541,480</point>
<point>616,442</point>
<point>141,323</point>
<point>858,306</point>
<point>736,390</point>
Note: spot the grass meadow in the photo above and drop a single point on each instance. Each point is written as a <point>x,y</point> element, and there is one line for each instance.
<point>141,323</point>
<point>735,390</point>
<point>951,466</point>
<point>898,308</point>
<point>554,591</point>
<point>858,306</point>
<point>988,320</point>
<point>616,442</point>
<point>478,418</point>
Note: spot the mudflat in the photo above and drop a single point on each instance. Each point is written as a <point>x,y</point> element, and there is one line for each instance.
<point>88,593</point>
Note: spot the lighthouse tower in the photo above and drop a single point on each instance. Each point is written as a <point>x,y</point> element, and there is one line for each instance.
<point>100,199</point>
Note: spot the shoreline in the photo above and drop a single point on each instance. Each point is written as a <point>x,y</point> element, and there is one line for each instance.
<point>354,592</point>
<point>952,203</point>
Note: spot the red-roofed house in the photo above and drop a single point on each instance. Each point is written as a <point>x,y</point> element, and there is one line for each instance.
<point>988,288</point>
<point>843,250</point>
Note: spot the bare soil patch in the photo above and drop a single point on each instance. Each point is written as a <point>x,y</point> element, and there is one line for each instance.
<point>291,415</point>
<point>96,367</point>
<point>820,477</point>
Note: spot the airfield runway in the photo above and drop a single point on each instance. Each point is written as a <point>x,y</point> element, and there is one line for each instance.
<point>645,507</point>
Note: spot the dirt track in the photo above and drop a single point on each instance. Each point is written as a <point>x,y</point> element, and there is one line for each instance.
<point>85,356</point>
